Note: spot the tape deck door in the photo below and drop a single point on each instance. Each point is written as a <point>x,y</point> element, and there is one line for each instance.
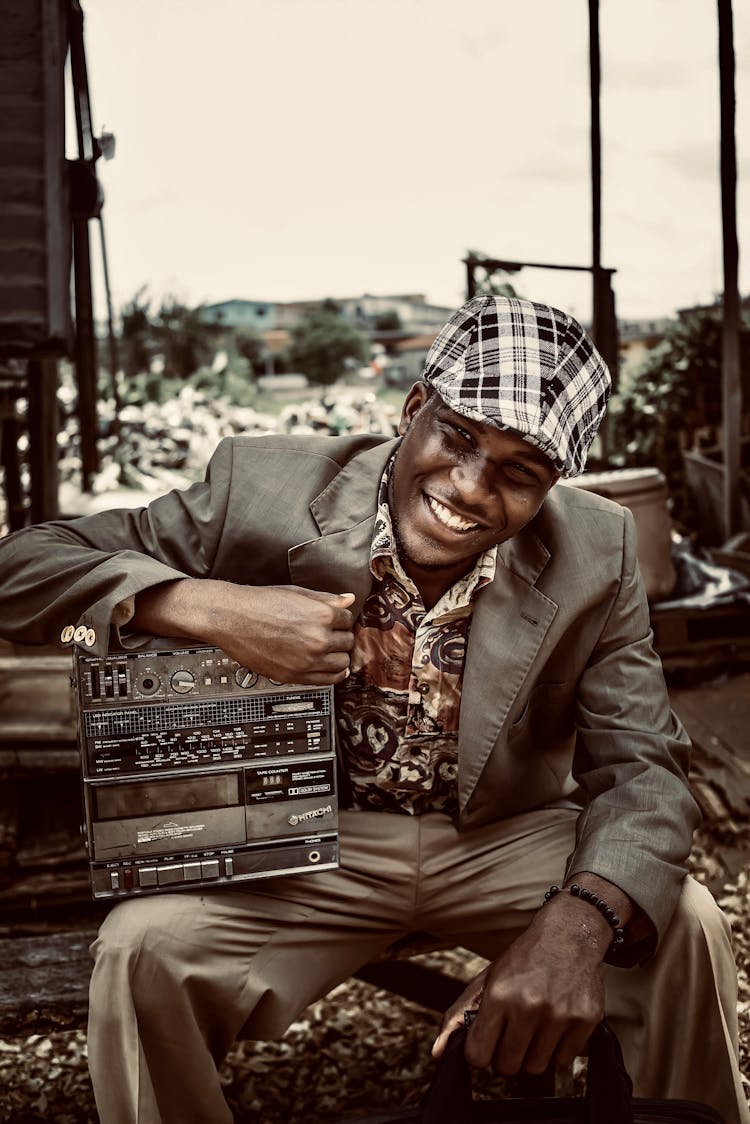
<point>198,772</point>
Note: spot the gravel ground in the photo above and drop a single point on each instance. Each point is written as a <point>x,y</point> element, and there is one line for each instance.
<point>329,1065</point>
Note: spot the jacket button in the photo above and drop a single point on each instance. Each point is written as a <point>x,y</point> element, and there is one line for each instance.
<point>79,633</point>
<point>67,634</point>
<point>90,637</point>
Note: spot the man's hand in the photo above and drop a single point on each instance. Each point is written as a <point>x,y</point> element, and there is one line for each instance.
<point>286,633</point>
<point>540,1001</point>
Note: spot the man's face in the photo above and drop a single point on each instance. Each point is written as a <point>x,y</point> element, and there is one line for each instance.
<point>458,487</point>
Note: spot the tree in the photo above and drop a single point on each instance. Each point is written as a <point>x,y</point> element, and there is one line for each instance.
<point>252,347</point>
<point>185,336</point>
<point>136,331</point>
<point>387,321</point>
<point>489,285</point>
<point>323,345</point>
<point>674,400</point>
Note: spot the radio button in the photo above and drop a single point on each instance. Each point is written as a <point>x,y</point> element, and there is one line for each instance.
<point>191,872</point>
<point>229,867</point>
<point>210,869</point>
<point>147,876</point>
<point>167,874</point>
<point>114,879</point>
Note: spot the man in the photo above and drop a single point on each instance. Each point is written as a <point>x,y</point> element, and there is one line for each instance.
<point>518,783</point>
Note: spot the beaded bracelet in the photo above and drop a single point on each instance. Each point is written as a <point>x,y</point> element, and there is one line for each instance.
<point>599,903</point>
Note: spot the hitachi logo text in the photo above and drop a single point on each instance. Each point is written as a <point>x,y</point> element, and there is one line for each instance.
<point>294,820</point>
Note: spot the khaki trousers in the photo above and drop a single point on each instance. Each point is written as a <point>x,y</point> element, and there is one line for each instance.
<point>178,976</point>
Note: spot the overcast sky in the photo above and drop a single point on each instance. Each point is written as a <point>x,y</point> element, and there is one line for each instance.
<point>296,149</point>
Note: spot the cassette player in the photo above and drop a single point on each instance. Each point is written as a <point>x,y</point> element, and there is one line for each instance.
<point>199,772</point>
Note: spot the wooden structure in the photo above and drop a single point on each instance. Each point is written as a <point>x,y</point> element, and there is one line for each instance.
<point>46,202</point>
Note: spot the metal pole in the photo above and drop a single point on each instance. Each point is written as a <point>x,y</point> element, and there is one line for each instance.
<point>730,351</point>
<point>596,161</point>
<point>603,331</point>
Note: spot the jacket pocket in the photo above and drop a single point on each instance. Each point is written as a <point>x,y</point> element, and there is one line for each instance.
<point>547,712</point>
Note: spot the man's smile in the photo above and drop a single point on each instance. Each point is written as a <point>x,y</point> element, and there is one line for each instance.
<point>449,518</point>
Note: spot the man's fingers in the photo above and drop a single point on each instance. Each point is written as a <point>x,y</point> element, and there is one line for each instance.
<point>446,1030</point>
<point>338,603</point>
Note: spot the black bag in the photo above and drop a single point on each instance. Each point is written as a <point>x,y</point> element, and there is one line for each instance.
<point>608,1098</point>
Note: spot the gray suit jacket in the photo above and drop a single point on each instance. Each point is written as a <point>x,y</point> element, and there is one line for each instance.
<point>563,697</point>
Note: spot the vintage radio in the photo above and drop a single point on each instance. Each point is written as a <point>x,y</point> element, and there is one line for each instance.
<point>197,771</point>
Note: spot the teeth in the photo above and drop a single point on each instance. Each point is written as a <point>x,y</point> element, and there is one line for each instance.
<point>455,522</point>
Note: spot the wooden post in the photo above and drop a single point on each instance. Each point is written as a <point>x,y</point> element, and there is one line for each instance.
<point>730,351</point>
<point>85,351</point>
<point>43,426</point>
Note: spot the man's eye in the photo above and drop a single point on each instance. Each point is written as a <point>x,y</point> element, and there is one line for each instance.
<point>521,470</point>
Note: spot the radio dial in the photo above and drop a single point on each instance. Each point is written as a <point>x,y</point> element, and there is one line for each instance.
<point>148,683</point>
<point>183,682</point>
<point>245,678</point>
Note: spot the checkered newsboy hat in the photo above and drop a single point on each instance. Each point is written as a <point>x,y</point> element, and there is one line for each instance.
<point>523,366</point>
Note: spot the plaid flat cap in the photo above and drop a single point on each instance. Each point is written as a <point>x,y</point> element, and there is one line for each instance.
<point>523,366</point>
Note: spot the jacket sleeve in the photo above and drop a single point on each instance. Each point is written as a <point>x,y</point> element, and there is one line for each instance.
<point>72,577</point>
<point>631,759</point>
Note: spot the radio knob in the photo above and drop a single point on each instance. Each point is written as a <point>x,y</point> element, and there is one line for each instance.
<point>148,683</point>
<point>245,678</point>
<point>183,682</point>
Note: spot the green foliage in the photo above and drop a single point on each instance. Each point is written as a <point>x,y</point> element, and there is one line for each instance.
<point>252,348</point>
<point>136,332</point>
<point>181,335</point>
<point>674,400</point>
<point>387,321</point>
<point>490,282</point>
<point>323,346</point>
<point>187,341</point>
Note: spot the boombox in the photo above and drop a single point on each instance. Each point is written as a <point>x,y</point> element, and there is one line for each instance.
<point>199,772</point>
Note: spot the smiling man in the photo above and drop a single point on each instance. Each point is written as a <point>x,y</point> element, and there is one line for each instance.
<point>516,780</point>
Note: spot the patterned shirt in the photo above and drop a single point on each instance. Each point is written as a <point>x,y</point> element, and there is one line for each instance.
<point>397,713</point>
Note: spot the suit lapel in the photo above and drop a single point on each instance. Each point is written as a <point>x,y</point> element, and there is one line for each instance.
<point>338,561</point>
<point>511,619</point>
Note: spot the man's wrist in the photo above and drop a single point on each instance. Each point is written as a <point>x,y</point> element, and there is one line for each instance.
<point>606,912</point>
<point>581,919</point>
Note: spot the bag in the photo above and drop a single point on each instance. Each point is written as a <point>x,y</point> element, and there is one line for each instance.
<point>608,1098</point>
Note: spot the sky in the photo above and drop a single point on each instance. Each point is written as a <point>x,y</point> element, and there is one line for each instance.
<point>299,149</point>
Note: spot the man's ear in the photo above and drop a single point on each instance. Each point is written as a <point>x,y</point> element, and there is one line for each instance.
<point>413,402</point>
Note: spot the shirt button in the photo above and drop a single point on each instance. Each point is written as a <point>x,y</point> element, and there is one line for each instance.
<point>425,659</point>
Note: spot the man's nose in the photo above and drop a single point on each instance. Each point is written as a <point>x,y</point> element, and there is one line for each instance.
<point>475,483</point>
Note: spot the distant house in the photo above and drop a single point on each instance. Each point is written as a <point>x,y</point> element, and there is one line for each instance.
<point>636,338</point>
<point>411,311</point>
<point>407,359</point>
<point>255,316</point>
